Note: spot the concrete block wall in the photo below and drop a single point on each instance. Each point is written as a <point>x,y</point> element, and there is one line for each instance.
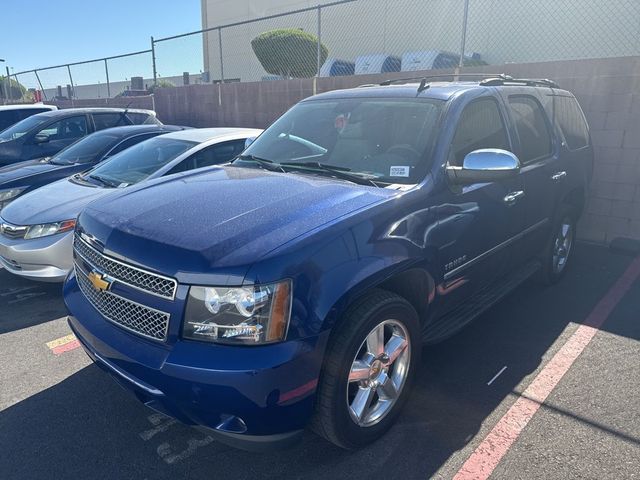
<point>608,90</point>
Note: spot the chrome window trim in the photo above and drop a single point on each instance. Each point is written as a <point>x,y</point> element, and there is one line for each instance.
<point>495,249</point>
<point>79,270</point>
<point>146,272</point>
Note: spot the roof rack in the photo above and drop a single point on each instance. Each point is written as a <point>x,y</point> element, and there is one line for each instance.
<point>488,80</point>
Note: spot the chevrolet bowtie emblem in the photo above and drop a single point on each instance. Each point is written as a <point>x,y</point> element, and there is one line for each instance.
<point>100,281</point>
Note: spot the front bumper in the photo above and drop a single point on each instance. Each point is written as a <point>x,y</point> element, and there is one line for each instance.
<point>46,259</point>
<point>253,398</point>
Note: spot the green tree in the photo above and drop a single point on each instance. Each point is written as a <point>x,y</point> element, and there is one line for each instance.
<point>161,83</point>
<point>289,52</point>
<point>17,91</point>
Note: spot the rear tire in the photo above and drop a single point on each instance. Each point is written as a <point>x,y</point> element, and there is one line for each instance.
<point>557,256</point>
<point>368,371</point>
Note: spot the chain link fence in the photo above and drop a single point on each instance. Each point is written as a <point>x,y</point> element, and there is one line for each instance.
<point>353,37</point>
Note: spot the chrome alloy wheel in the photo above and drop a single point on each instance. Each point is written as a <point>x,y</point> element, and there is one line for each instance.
<point>378,373</point>
<point>562,245</point>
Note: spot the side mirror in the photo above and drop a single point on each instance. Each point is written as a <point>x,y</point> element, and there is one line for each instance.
<point>483,166</point>
<point>249,141</point>
<point>41,138</point>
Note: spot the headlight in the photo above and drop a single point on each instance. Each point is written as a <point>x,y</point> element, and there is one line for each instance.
<point>46,229</point>
<point>7,196</point>
<point>239,315</point>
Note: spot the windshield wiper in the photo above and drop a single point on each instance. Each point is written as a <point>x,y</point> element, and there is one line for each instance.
<point>104,181</point>
<point>339,172</point>
<point>263,162</point>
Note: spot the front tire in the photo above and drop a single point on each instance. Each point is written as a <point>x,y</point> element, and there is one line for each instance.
<point>369,369</point>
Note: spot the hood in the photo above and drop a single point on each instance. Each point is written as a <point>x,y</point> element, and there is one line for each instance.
<point>34,169</point>
<point>222,218</point>
<point>61,200</point>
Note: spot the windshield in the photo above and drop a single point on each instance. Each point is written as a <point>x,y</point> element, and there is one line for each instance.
<point>386,140</point>
<point>138,162</point>
<point>87,149</point>
<point>21,128</point>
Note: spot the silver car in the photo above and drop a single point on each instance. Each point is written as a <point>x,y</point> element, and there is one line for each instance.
<point>36,230</point>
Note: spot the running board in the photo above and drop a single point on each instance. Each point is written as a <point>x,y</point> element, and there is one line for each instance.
<point>453,321</point>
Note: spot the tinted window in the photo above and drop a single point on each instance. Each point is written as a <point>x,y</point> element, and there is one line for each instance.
<point>216,154</point>
<point>140,161</point>
<point>130,142</point>
<point>531,124</point>
<point>480,126</point>
<point>383,139</point>
<point>571,121</point>
<point>65,129</point>
<point>7,118</point>
<point>109,120</point>
<point>22,128</point>
<point>86,150</point>
<point>142,118</point>
<point>27,112</point>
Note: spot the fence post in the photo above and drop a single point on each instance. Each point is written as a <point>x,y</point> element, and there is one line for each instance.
<point>106,71</point>
<point>221,57</point>
<point>44,94</point>
<point>463,42</point>
<point>9,94</point>
<point>73,88</point>
<point>319,52</point>
<point>153,61</point>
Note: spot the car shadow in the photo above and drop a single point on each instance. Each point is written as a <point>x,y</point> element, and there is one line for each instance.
<point>87,427</point>
<point>17,298</point>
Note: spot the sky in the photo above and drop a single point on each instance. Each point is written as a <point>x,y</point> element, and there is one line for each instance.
<point>41,33</point>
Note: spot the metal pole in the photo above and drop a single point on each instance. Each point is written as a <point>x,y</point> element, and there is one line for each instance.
<point>319,53</point>
<point>73,89</point>
<point>221,58</point>
<point>40,83</point>
<point>9,94</point>
<point>106,71</point>
<point>463,43</point>
<point>153,61</point>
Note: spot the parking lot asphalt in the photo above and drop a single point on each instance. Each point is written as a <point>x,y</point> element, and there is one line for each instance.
<point>62,417</point>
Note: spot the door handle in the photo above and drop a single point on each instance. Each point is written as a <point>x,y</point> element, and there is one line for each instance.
<point>513,197</point>
<point>556,177</point>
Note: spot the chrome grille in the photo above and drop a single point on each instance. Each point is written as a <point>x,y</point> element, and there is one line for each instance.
<point>132,276</point>
<point>132,316</point>
<point>13,231</point>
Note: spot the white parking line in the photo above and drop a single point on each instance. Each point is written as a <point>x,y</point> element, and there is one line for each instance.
<point>497,375</point>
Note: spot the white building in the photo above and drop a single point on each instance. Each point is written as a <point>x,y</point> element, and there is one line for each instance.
<point>501,31</point>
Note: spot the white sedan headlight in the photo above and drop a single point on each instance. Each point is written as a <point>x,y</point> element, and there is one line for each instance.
<point>46,229</point>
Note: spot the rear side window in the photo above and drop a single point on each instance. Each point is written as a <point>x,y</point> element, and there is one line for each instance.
<point>109,120</point>
<point>571,121</point>
<point>480,126</point>
<point>532,127</point>
<point>213,155</point>
<point>7,118</point>
<point>142,118</point>
<point>130,142</point>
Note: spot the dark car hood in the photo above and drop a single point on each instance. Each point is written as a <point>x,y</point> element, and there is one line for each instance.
<point>33,168</point>
<point>223,218</point>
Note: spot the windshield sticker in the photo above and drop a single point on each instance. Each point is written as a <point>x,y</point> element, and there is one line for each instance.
<point>399,172</point>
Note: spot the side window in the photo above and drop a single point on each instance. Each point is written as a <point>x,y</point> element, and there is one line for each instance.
<point>26,113</point>
<point>67,128</point>
<point>213,155</point>
<point>108,120</point>
<point>480,126</point>
<point>7,118</point>
<point>142,118</point>
<point>130,142</point>
<point>571,120</point>
<point>532,127</point>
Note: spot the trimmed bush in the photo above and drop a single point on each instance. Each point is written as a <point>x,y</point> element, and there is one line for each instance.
<point>289,52</point>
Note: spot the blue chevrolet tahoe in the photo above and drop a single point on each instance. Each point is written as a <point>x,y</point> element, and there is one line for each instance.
<point>296,285</point>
